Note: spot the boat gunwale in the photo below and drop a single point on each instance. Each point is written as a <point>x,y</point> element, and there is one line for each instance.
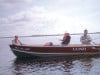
<point>60,46</point>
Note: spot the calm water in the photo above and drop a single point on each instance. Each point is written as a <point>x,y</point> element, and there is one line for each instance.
<point>10,65</point>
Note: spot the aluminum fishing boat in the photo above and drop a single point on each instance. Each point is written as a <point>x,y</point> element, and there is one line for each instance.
<point>56,50</point>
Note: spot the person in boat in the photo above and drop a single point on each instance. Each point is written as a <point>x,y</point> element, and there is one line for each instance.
<point>66,39</point>
<point>16,41</point>
<point>85,38</point>
<point>48,44</point>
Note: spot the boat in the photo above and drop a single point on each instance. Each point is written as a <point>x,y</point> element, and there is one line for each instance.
<point>56,50</point>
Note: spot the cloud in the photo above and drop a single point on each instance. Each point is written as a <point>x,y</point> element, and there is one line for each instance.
<point>36,19</point>
<point>9,7</point>
<point>8,4</point>
<point>45,19</point>
<point>33,14</point>
<point>14,1</point>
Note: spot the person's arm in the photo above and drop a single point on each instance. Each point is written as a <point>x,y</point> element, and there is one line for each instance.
<point>89,38</point>
<point>20,42</point>
<point>62,39</point>
<point>83,41</point>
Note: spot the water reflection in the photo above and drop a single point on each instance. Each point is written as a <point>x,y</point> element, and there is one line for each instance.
<point>82,66</point>
<point>53,66</point>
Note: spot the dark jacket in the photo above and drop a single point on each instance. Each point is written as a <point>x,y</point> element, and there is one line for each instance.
<point>66,40</point>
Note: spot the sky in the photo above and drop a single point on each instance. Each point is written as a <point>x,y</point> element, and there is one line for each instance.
<point>29,17</point>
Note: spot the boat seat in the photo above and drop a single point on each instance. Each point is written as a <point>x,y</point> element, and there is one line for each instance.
<point>74,45</point>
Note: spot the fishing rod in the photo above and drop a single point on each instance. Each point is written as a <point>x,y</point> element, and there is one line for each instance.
<point>50,35</point>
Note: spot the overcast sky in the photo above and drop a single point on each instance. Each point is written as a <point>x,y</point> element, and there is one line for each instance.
<point>48,16</point>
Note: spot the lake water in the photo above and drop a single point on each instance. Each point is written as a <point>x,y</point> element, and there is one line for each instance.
<point>10,65</point>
